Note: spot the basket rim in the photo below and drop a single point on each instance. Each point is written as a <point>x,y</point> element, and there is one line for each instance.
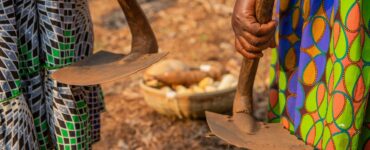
<point>157,91</point>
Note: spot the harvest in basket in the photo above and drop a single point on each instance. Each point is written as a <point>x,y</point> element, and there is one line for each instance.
<point>174,88</point>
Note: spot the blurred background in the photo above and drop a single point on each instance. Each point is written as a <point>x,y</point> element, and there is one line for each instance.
<point>193,31</point>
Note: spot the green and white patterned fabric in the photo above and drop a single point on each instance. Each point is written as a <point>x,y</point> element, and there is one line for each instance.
<point>37,37</point>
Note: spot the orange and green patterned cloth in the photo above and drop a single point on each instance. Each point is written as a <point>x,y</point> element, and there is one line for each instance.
<point>320,72</point>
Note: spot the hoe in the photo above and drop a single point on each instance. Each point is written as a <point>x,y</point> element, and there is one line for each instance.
<point>241,129</point>
<point>106,66</point>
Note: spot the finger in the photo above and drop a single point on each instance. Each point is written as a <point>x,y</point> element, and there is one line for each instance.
<point>255,40</point>
<point>247,46</point>
<point>272,43</point>
<point>249,55</point>
<point>246,54</point>
<point>246,23</point>
<point>243,52</point>
<point>252,26</point>
<point>251,48</point>
<point>267,28</point>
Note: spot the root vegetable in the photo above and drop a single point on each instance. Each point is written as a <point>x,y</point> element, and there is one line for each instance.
<point>174,72</point>
<point>185,77</point>
<point>182,90</point>
<point>166,89</point>
<point>227,81</point>
<point>179,87</point>
<point>196,89</point>
<point>154,83</point>
<point>205,82</point>
<point>181,78</point>
<point>210,89</point>
<point>165,66</point>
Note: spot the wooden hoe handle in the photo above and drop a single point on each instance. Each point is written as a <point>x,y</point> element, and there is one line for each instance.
<point>248,70</point>
<point>143,38</point>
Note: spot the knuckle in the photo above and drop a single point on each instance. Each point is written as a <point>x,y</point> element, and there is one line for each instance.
<point>239,50</point>
<point>257,42</point>
<point>254,43</point>
<point>262,43</point>
<point>234,24</point>
<point>258,31</point>
<point>249,57</point>
<point>252,56</point>
<point>254,49</point>
<point>236,19</point>
<point>258,49</point>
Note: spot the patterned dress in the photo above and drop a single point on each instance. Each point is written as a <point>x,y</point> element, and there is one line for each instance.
<point>320,72</point>
<point>38,37</point>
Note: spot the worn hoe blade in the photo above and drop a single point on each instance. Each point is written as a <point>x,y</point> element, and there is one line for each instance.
<point>270,136</point>
<point>104,67</point>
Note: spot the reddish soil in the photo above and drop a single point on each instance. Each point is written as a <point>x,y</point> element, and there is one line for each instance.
<point>192,31</point>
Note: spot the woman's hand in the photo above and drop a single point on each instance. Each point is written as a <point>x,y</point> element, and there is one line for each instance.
<point>251,37</point>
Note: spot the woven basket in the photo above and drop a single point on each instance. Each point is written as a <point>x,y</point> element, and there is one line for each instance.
<point>191,106</point>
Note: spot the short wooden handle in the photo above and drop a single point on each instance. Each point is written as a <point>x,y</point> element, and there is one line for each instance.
<point>249,67</point>
<point>143,38</point>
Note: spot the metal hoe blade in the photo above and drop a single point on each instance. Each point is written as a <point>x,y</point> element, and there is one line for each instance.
<point>270,136</point>
<point>104,67</point>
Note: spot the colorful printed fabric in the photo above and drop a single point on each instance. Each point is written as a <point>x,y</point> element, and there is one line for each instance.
<point>16,128</point>
<point>320,72</point>
<point>37,37</point>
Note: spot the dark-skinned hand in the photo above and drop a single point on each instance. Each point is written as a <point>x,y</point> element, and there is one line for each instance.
<point>251,37</point>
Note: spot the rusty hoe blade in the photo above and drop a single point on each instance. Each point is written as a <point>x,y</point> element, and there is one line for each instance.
<point>106,66</point>
<point>270,136</point>
<point>241,129</point>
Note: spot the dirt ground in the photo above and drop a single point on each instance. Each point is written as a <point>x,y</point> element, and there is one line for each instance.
<point>192,31</point>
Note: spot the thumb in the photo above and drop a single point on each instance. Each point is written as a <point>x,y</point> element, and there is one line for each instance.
<point>273,42</point>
